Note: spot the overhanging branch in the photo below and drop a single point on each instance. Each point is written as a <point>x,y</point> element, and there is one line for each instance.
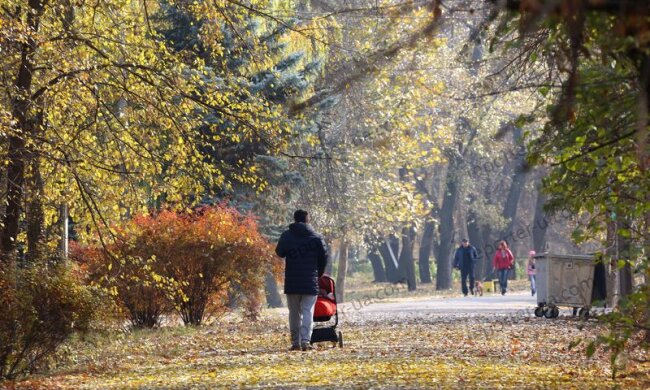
<point>610,6</point>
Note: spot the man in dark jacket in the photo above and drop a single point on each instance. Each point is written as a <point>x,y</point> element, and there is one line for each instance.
<point>306,256</point>
<point>464,260</point>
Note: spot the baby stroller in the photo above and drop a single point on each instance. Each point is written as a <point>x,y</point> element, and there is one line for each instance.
<point>326,316</point>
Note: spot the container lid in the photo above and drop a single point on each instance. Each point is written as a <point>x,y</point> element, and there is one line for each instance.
<point>563,256</point>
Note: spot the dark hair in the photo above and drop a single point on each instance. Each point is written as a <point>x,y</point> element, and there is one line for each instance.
<point>300,216</point>
<point>464,240</point>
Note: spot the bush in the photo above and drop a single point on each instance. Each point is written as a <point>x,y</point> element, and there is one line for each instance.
<point>215,253</point>
<point>137,288</point>
<point>194,263</point>
<point>628,329</point>
<point>40,307</point>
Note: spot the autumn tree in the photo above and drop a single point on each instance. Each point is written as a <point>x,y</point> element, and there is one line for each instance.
<point>104,114</point>
<point>597,153</point>
<point>371,134</point>
<point>272,62</point>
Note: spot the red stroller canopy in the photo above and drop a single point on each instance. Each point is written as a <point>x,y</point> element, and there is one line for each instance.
<point>325,306</point>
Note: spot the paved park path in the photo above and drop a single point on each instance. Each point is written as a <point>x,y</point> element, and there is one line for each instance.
<point>509,303</point>
<point>517,304</point>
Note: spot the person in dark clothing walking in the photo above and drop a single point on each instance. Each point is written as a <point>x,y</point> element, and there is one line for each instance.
<point>306,256</point>
<point>464,260</point>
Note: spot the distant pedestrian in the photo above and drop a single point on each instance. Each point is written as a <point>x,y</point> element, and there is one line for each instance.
<point>502,263</point>
<point>465,260</point>
<point>531,271</point>
<point>306,256</point>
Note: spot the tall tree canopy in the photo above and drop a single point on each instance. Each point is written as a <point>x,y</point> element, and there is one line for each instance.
<point>114,107</point>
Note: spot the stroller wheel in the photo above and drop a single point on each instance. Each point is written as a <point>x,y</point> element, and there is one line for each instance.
<point>340,340</point>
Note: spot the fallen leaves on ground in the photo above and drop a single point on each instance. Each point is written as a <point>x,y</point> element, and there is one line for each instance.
<point>381,351</point>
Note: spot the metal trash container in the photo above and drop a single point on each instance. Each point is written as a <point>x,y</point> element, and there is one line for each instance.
<point>563,280</point>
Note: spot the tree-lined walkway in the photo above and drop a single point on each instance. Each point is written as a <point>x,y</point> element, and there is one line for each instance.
<point>419,343</point>
<point>152,152</point>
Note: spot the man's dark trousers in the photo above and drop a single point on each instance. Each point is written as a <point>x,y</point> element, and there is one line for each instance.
<point>464,273</point>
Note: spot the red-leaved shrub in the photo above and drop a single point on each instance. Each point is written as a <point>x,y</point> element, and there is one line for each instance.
<point>41,305</point>
<point>189,262</point>
<point>132,280</point>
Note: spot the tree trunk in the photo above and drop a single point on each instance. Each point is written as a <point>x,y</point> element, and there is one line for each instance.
<point>17,154</point>
<point>273,298</point>
<point>476,239</point>
<point>353,259</point>
<point>15,185</point>
<point>329,269</point>
<point>389,254</point>
<point>35,215</point>
<point>449,201</point>
<point>625,279</point>
<point>427,244</point>
<point>490,249</point>
<point>540,223</point>
<point>425,252</point>
<point>625,273</point>
<point>446,230</point>
<point>64,217</point>
<point>642,154</point>
<point>342,271</point>
<point>612,269</point>
<point>514,193</point>
<point>407,268</point>
<point>377,266</point>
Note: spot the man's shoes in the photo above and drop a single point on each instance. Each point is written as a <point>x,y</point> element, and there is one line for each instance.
<point>295,348</point>
<point>307,347</point>
<point>471,291</point>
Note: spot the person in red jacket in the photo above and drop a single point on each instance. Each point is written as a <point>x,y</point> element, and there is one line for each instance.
<point>502,263</point>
